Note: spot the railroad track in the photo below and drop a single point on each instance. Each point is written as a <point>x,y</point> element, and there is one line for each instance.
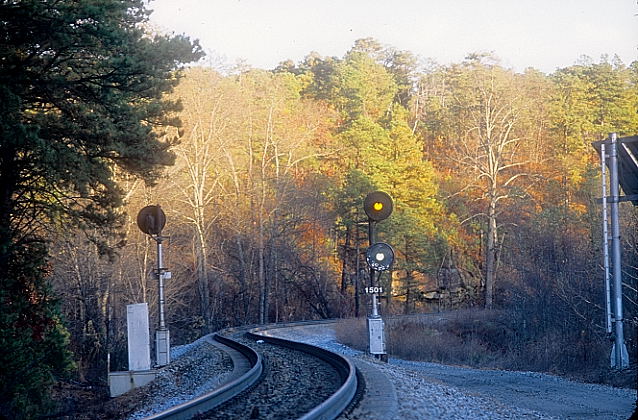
<point>279,379</point>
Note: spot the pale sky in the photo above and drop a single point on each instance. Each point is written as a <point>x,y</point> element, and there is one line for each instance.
<point>544,34</point>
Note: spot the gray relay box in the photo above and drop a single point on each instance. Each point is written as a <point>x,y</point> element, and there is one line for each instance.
<point>376,333</point>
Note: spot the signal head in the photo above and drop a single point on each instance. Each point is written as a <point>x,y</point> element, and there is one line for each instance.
<point>151,220</point>
<point>378,205</point>
<point>380,256</point>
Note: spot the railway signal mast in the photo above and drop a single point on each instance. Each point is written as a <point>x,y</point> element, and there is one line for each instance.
<point>620,156</point>
<point>151,220</point>
<point>378,206</point>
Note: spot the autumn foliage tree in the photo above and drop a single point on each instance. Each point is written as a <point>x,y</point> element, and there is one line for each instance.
<point>491,171</point>
<point>476,119</point>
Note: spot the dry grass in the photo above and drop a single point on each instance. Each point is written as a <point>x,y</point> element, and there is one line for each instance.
<point>457,338</point>
<point>352,332</point>
<point>448,340</point>
<point>486,339</point>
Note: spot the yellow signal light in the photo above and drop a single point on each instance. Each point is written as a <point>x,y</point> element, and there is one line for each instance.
<point>377,205</point>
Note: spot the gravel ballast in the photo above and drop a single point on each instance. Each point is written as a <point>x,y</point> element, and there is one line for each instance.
<point>434,391</point>
<point>195,369</point>
<point>293,383</point>
<point>423,390</point>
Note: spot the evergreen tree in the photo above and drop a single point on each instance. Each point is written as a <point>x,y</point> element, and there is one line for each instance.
<point>381,152</point>
<point>33,340</point>
<point>81,90</point>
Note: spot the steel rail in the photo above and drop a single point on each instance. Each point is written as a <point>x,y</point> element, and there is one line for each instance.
<point>222,394</point>
<point>332,407</point>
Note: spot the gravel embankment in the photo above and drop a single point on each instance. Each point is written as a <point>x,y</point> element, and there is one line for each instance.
<point>433,391</point>
<point>195,369</point>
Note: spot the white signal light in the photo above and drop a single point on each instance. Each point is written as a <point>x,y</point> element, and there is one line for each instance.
<point>380,256</point>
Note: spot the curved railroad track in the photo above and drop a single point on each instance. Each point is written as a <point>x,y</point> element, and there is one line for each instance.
<point>295,384</point>
<point>279,379</point>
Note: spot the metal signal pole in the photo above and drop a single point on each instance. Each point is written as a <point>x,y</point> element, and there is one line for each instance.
<point>375,296</point>
<point>619,357</point>
<point>608,323</point>
<point>151,220</point>
<point>378,206</point>
<point>162,335</point>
